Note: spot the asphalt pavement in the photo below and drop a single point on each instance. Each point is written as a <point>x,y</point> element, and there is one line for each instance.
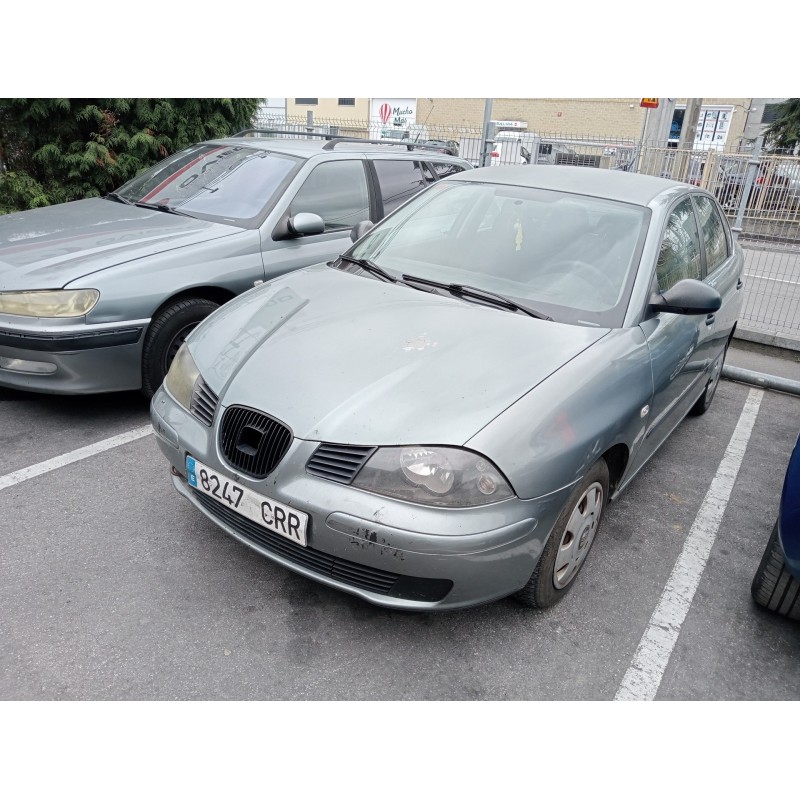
<point>113,587</point>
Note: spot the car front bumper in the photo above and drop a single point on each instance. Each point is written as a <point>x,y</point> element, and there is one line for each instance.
<point>73,358</point>
<point>389,552</point>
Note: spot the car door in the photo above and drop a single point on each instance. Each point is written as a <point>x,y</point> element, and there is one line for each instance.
<point>337,191</point>
<point>722,269</point>
<point>681,346</point>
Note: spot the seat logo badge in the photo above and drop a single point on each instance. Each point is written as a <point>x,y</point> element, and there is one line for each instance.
<point>644,412</point>
<point>420,342</point>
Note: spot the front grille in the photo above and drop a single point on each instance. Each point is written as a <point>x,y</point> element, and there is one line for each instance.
<point>252,442</point>
<point>338,462</point>
<point>204,403</point>
<point>348,572</point>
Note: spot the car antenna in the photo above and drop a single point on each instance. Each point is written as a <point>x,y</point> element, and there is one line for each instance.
<point>424,124</point>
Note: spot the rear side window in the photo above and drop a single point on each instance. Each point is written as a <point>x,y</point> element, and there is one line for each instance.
<point>337,191</point>
<point>679,257</point>
<point>713,230</point>
<point>443,170</point>
<point>399,180</point>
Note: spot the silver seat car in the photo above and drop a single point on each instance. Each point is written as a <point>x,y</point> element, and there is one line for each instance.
<point>439,417</point>
<point>97,295</point>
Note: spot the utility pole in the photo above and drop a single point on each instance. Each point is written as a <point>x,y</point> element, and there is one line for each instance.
<point>749,180</point>
<point>488,136</point>
<point>691,117</point>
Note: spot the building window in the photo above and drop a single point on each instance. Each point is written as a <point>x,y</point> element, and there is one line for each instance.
<point>770,113</point>
<point>347,101</point>
<point>305,101</point>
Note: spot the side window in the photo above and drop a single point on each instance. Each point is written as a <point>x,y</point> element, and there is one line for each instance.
<point>680,249</point>
<point>443,170</point>
<point>714,239</point>
<point>337,191</point>
<point>399,181</point>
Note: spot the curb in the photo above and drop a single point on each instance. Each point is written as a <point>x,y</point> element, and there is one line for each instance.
<point>769,338</point>
<point>761,380</point>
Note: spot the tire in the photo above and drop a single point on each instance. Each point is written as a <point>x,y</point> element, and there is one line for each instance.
<point>564,555</point>
<point>167,332</point>
<point>774,587</point>
<point>704,401</point>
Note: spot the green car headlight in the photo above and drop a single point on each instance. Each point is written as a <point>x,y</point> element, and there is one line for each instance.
<point>49,302</point>
<point>434,476</point>
<point>182,376</point>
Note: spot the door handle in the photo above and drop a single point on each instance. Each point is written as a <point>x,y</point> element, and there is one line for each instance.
<point>739,284</point>
<point>710,319</point>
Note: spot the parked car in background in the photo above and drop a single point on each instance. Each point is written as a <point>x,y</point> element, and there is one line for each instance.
<point>449,146</point>
<point>776,584</point>
<point>98,295</point>
<point>438,417</point>
<point>770,190</point>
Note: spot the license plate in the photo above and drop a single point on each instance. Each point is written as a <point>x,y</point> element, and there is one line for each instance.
<point>265,511</point>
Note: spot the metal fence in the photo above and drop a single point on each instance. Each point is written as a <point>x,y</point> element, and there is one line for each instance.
<point>764,210</point>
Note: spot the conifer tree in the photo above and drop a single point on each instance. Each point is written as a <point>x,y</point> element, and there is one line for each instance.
<point>784,131</point>
<point>54,150</point>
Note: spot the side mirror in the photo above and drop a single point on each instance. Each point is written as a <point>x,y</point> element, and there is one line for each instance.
<point>360,228</point>
<point>305,224</point>
<point>688,296</point>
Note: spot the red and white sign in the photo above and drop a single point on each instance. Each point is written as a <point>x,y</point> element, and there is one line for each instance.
<point>391,111</point>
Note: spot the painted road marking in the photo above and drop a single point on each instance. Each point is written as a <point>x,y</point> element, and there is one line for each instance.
<point>74,455</point>
<point>776,280</point>
<point>644,675</point>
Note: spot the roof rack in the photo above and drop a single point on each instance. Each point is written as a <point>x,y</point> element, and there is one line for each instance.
<point>333,139</point>
<point>282,131</point>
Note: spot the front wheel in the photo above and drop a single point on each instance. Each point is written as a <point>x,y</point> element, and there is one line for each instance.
<point>167,332</point>
<point>570,540</point>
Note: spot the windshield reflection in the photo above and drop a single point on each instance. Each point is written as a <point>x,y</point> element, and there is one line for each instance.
<point>569,253</point>
<point>231,183</point>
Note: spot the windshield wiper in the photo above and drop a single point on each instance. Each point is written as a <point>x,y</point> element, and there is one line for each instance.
<point>373,269</point>
<point>462,290</point>
<point>162,207</point>
<point>119,198</point>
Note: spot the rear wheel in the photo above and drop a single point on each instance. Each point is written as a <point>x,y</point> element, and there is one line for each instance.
<point>570,541</point>
<point>167,332</point>
<point>774,587</point>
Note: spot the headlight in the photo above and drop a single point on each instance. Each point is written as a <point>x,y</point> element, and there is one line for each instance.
<point>433,476</point>
<point>49,303</point>
<point>182,376</point>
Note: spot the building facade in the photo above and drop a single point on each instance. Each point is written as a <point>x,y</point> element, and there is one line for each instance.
<point>723,122</point>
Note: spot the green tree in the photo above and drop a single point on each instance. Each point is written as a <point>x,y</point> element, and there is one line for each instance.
<point>785,130</point>
<point>54,150</point>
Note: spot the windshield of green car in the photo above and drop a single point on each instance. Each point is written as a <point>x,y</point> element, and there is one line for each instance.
<point>569,255</point>
<point>224,183</point>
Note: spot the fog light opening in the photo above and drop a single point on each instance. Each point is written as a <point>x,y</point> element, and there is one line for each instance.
<point>30,367</point>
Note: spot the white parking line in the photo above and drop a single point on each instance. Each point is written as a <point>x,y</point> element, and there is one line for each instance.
<point>74,455</point>
<point>644,675</point>
<point>775,280</point>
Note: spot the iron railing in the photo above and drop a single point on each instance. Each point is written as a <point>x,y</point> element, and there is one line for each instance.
<point>767,220</point>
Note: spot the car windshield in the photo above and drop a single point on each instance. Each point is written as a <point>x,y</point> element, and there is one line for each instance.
<point>224,183</point>
<point>571,256</point>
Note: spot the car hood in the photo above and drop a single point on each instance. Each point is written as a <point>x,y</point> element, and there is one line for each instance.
<point>47,248</point>
<point>348,359</point>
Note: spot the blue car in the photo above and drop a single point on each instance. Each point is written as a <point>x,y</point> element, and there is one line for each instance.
<point>776,585</point>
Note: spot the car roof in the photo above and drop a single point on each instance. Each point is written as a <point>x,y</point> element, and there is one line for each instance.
<point>306,148</point>
<point>626,187</point>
